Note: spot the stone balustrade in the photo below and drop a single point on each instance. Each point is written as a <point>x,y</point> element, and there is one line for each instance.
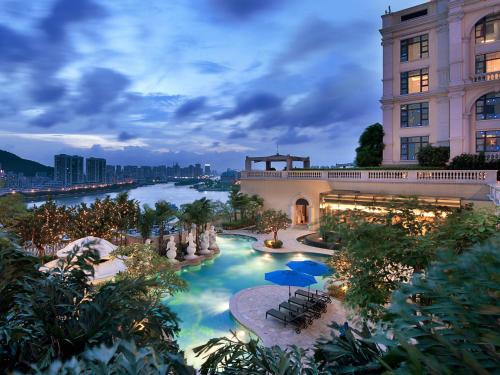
<point>403,176</point>
<point>489,76</point>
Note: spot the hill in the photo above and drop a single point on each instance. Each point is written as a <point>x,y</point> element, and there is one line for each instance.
<point>13,163</point>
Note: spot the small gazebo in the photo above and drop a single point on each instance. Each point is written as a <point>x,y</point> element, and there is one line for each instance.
<point>289,159</point>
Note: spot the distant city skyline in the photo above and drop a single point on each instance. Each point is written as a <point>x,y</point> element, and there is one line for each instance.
<point>159,82</point>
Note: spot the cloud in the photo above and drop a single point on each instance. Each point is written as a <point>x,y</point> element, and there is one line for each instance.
<point>48,93</point>
<point>316,34</point>
<point>67,12</point>
<point>124,136</point>
<point>50,118</point>
<point>239,10</point>
<point>191,107</point>
<point>291,137</point>
<point>256,102</point>
<point>209,67</point>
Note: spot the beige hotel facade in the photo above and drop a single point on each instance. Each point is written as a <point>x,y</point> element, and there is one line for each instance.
<point>441,78</point>
<point>441,86</point>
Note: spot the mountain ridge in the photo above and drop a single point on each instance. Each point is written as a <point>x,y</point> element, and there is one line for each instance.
<point>13,163</point>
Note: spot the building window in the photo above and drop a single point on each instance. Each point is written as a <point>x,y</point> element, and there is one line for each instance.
<point>416,114</point>
<point>410,146</point>
<point>488,141</point>
<point>488,107</point>
<point>415,48</point>
<point>415,81</point>
<point>487,63</point>
<point>488,29</point>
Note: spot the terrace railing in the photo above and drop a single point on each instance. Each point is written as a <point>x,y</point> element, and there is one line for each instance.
<point>402,176</point>
<point>489,76</point>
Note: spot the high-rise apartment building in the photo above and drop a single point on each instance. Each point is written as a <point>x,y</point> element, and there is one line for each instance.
<point>95,170</point>
<point>208,170</point>
<point>441,79</point>
<point>68,169</point>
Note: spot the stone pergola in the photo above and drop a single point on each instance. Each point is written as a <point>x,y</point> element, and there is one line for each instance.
<point>289,159</point>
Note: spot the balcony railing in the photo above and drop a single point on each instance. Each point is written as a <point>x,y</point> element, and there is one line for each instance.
<point>403,176</point>
<point>489,76</point>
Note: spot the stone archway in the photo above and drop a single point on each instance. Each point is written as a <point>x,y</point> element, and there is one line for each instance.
<point>302,212</point>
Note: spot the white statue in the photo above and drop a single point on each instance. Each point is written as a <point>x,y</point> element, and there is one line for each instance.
<point>213,239</point>
<point>191,249</point>
<point>204,239</point>
<point>171,250</point>
<point>148,241</point>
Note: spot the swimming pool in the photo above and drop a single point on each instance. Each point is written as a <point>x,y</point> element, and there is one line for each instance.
<point>204,308</point>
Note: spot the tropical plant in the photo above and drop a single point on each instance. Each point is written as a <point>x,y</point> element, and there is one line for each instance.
<point>272,221</point>
<point>197,213</point>
<point>144,261</point>
<point>12,209</point>
<point>371,146</point>
<point>430,156</point>
<point>164,212</point>
<point>56,314</point>
<point>147,219</point>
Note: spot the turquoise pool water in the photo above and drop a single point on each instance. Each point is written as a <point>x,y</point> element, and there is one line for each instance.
<point>204,308</point>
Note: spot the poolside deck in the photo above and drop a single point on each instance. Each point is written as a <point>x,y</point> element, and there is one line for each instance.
<point>289,238</point>
<point>249,308</point>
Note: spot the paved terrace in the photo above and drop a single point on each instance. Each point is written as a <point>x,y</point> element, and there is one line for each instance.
<point>289,238</point>
<point>249,308</point>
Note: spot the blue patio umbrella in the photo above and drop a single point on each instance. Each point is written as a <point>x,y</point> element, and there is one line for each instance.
<point>290,278</point>
<point>309,266</point>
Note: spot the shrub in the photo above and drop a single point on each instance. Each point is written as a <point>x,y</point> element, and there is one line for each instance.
<point>371,146</point>
<point>430,156</point>
<point>468,161</point>
<point>278,244</point>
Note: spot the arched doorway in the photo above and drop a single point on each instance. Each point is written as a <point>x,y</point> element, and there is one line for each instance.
<point>301,211</point>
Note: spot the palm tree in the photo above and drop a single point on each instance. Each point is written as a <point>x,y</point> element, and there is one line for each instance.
<point>147,219</point>
<point>198,212</point>
<point>164,211</point>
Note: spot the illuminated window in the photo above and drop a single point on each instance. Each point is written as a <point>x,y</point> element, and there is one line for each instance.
<point>488,29</point>
<point>488,107</point>
<point>415,81</point>
<point>487,63</point>
<point>410,146</point>
<point>415,48</point>
<point>415,114</point>
<point>488,141</point>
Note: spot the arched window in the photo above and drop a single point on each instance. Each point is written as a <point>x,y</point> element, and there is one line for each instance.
<point>488,29</point>
<point>488,106</point>
<point>302,202</point>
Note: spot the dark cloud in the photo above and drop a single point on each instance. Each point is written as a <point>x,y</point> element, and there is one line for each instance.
<point>291,137</point>
<point>50,118</point>
<point>209,67</point>
<point>98,88</point>
<point>48,93</point>
<point>338,98</point>
<point>256,102</point>
<point>316,34</point>
<point>124,136</point>
<point>15,48</point>
<point>238,10</point>
<point>238,134</point>
<point>66,12</point>
<point>191,107</point>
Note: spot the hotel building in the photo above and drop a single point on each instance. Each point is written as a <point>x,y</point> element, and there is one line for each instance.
<point>441,79</point>
<point>441,86</point>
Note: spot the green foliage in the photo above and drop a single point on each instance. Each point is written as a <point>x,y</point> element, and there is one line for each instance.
<point>164,211</point>
<point>147,219</point>
<point>430,156</point>
<point>57,314</point>
<point>371,146</point>
<point>123,357</point>
<point>473,161</point>
<point>248,207</point>
<point>459,331</point>
<point>272,221</point>
<point>12,209</point>
<point>233,356</point>
<point>144,261</point>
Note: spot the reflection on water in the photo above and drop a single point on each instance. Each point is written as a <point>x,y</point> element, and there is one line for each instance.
<point>204,308</point>
<point>147,195</point>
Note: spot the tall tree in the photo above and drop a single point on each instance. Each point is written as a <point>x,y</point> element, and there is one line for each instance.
<point>371,146</point>
<point>164,211</point>
<point>147,220</point>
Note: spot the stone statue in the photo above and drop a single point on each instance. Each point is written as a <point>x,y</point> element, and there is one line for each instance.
<point>148,241</point>
<point>204,242</point>
<point>213,239</point>
<point>171,250</point>
<point>191,249</point>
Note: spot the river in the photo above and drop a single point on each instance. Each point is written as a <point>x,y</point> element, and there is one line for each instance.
<point>149,194</point>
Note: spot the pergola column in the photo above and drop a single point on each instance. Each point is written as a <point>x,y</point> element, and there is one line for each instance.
<point>248,164</point>
<point>268,165</point>
<point>289,164</point>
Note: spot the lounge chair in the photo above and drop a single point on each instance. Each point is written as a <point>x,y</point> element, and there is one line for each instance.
<point>321,296</point>
<point>316,306</point>
<point>298,322</point>
<point>297,310</point>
